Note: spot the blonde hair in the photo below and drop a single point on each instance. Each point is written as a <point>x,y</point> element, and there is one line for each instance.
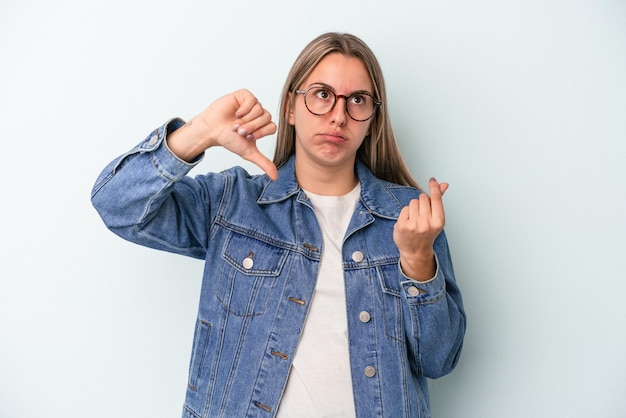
<point>379,151</point>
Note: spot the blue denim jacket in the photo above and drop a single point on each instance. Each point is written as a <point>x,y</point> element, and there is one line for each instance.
<point>262,248</point>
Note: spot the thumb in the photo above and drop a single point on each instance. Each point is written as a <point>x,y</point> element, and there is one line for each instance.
<point>256,157</point>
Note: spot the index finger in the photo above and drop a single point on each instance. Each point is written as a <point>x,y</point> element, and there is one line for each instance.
<point>246,101</point>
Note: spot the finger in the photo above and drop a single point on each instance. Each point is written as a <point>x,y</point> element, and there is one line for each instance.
<point>260,127</point>
<point>403,216</point>
<point>255,156</point>
<point>413,209</point>
<point>424,205</point>
<point>255,112</point>
<point>266,130</point>
<point>247,101</point>
<point>436,201</point>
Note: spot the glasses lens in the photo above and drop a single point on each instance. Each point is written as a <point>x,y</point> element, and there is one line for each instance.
<point>360,106</point>
<point>319,100</point>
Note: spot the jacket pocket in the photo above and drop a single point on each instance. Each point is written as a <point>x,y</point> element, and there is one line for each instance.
<point>249,274</point>
<point>391,301</point>
<point>199,354</point>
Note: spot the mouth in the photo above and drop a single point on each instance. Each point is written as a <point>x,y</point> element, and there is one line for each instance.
<point>333,137</point>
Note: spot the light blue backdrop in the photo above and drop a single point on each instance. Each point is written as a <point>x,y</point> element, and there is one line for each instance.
<point>520,105</point>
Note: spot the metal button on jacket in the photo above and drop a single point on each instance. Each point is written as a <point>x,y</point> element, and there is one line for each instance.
<point>369,371</point>
<point>364,316</point>
<point>357,256</point>
<point>413,291</point>
<point>248,263</point>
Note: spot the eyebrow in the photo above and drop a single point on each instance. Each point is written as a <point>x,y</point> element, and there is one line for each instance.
<point>329,87</point>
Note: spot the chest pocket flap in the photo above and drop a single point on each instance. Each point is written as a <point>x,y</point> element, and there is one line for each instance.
<point>249,274</point>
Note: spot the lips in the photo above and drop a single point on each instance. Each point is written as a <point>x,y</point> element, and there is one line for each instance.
<point>333,137</point>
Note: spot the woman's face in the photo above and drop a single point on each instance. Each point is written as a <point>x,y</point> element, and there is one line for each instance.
<point>332,139</point>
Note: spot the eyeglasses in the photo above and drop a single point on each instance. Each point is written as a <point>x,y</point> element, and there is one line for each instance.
<point>320,99</point>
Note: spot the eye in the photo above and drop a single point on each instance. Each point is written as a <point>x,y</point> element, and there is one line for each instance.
<point>358,99</point>
<point>321,93</point>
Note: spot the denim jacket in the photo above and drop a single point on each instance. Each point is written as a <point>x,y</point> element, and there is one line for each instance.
<point>262,248</point>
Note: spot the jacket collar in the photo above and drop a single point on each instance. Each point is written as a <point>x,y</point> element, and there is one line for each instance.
<point>377,195</point>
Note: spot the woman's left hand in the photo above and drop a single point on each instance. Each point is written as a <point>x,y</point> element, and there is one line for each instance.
<point>415,232</point>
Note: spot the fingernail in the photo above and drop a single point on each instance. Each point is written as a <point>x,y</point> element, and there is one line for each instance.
<point>250,136</point>
<point>433,179</point>
<point>242,131</point>
<point>235,127</point>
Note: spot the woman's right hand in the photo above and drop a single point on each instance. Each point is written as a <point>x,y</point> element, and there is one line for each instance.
<point>235,121</point>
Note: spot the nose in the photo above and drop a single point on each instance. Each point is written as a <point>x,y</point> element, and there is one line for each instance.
<point>339,113</point>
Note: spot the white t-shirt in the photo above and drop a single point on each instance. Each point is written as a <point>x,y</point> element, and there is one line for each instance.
<point>320,382</point>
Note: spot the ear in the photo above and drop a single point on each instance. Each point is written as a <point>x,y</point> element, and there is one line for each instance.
<point>289,110</point>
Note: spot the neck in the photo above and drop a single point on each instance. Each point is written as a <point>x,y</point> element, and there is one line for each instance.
<point>329,181</point>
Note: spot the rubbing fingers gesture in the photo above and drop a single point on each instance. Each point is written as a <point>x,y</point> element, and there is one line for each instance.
<point>418,225</point>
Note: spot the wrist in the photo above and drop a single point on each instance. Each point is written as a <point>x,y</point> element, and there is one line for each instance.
<point>188,141</point>
<point>420,266</point>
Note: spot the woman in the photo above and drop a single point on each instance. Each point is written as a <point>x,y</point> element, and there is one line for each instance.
<point>328,288</point>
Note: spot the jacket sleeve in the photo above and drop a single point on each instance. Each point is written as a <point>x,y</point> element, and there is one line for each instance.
<point>146,197</point>
<point>435,318</point>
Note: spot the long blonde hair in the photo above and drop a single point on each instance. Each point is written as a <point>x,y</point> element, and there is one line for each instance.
<point>379,151</point>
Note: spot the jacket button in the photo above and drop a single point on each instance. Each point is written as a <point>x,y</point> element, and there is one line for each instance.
<point>248,263</point>
<point>153,139</point>
<point>364,316</point>
<point>357,256</point>
<point>369,371</point>
<point>413,291</point>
